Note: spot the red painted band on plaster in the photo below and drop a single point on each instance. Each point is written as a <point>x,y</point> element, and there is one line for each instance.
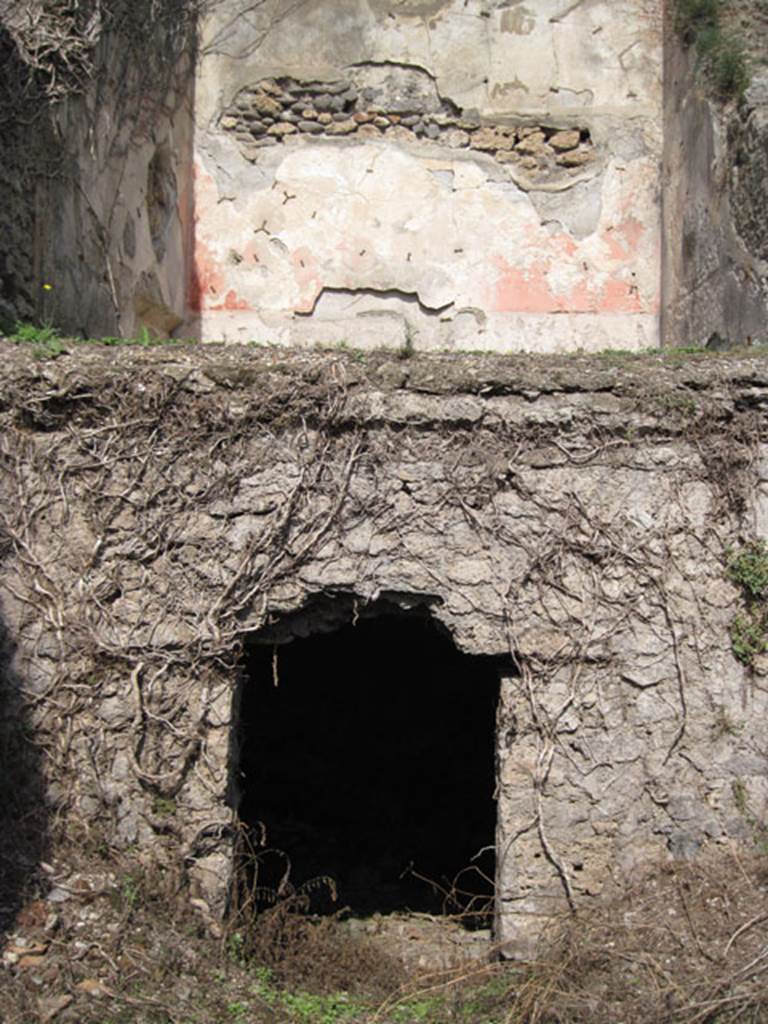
<point>207,283</point>
<point>528,290</point>
<point>623,239</point>
<point>617,296</point>
<point>206,280</point>
<point>231,302</point>
<point>520,290</point>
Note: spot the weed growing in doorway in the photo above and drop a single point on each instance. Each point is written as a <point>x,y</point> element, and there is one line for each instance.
<point>272,926</point>
<point>468,899</point>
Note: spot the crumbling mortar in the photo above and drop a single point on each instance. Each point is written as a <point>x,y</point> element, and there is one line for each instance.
<point>278,110</point>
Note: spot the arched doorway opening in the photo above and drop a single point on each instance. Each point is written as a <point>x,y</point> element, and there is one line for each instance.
<point>367,756</point>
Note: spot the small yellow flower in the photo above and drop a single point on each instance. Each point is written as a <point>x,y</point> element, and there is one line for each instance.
<point>47,287</point>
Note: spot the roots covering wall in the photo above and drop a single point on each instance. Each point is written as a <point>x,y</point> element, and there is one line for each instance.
<point>575,518</point>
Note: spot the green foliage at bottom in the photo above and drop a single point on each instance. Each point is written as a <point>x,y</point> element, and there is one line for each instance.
<point>48,342</point>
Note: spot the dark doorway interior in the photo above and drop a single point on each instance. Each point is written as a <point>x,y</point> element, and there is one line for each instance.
<point>373,754</point>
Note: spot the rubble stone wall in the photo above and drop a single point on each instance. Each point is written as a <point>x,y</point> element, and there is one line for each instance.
<point>574,517</point>
<point>422,176</point>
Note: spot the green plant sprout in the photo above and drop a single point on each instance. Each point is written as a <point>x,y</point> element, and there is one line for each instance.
<point>748,569</point>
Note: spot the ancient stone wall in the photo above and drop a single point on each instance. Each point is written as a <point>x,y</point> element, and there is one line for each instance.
<point>715,271</point>
<point>445,175</point>
<point>96,180</point>
<point>574,518</point>
<point>21,196</point>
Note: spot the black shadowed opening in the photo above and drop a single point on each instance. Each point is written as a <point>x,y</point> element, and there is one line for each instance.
<point>368,756</point>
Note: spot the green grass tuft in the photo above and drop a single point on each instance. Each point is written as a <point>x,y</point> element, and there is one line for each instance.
<point>49,343</point>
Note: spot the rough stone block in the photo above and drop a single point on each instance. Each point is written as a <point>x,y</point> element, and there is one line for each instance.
<point>456,138</point>
<point>562,141</point>
<point>491,140</point>
<point>575,158</point>
<point>264,104</point>
<point>282,129</point>
<point>341,127</point>
<point>532,143</point>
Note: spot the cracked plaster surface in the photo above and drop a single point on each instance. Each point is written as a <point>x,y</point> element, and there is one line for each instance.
<point>371,241</point>
<point>491,57</point>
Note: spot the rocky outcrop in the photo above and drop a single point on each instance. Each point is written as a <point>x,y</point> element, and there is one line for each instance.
<point>715,280</point>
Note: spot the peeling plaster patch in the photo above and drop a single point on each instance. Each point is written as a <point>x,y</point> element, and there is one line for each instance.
<point>631,142</point>
<point>519,214</point>
<point>578,210</point>
<point>505,89</point>
<point>583,98</point>
<point>373,329</point>
<point>334,302</point>
<point>343,234</point>
<point>445,178</point>
<point>410,8</point>
<point>398,86</point>
<point>521,21</point>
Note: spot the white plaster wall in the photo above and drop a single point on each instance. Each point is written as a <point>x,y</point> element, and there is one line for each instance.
<point>376,238</point>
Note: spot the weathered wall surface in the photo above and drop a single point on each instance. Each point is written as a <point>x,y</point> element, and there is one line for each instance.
<point>20,191</point>
<point>119,230</point>
<point>573,517</point>
<point>97,190</point>
<point>436,175</point>
<point>430,175</point>
<point>715,278</point>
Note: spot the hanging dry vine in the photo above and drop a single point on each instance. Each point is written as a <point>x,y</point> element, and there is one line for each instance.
<point>158,508</point>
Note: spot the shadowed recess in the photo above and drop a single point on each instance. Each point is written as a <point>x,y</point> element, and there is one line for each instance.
<point>368,755</point>
<point>24,835</point>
